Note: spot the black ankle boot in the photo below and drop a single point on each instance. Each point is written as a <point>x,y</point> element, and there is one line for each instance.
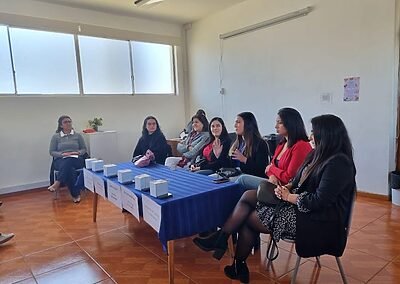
<point>238,271</point>
<point>218,242</point>
<point>206,234</point>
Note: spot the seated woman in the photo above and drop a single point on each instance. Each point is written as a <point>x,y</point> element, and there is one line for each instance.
<point>68,150</point>
<point>289,154</point>
<point>188,129</point>
<point>152,139</point>
<point>215,154</point>
<point>191,146</point>
<point>316,204</point>
<point>248,151</point>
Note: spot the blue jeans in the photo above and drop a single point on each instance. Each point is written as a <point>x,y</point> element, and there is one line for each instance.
<point>249,181</point>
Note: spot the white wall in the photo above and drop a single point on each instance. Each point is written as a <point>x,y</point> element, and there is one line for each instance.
<point>27,123</point>
<point>294,63</point>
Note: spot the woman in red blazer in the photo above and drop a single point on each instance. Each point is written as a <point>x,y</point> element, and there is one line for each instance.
<point>290,153</point>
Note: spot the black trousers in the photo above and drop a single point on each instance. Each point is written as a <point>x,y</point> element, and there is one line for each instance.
<point>66,172</point>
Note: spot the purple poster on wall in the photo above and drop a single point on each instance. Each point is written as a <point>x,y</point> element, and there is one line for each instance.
<point>351,89</point>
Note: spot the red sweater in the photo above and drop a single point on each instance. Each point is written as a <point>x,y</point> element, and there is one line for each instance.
<point>290,161</point>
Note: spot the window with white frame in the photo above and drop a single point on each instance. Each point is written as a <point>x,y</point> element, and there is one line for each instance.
<point>106,67</point>
<point>44,62</point>
<point>6,76</point>
<point>153,68</point>
<point>36,62</point>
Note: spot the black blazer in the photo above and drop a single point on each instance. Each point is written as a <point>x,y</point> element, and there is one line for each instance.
<point>259,159</point>
<point>323,230</point>
<point>156,143</point>
<point>215,164</point>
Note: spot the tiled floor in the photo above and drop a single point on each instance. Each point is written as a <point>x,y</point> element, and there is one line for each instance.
<point>57,242</point>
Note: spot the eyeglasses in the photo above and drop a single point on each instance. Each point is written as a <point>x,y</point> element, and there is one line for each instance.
<point>66,121</point>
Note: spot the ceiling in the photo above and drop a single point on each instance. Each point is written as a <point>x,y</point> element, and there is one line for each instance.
<point>176,11</point>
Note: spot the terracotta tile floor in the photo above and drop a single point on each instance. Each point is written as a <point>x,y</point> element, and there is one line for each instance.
<point>57,242</point>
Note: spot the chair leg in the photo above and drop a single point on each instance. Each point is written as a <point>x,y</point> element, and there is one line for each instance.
<point>318,262</point>
<point>339,263</point>
<point>296,269</point>
<point>55,173</point>
<point>271,252</point>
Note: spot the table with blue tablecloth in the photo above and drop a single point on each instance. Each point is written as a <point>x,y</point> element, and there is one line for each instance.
<point>197,203</point>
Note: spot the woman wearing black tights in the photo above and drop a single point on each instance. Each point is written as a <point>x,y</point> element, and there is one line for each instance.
<point>316,204</point>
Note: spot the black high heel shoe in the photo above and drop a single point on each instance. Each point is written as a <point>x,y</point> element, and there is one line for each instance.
<point>238,271</point>
<point>217,242</point>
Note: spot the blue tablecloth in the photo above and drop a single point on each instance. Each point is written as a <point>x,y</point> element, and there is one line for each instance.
<point>197,203</point>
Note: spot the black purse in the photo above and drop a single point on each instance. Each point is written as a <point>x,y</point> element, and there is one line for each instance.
<point>229,172</point>
<point>266,193</point>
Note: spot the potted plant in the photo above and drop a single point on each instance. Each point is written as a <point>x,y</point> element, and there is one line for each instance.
<point>95,123</point>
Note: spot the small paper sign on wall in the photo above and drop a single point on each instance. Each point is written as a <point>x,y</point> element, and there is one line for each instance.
<point>99,185</point>
<point>114,193</point>
<point>351,89</point>
<point>130,202</point>
<point>88,179</point>
<point>151,213</point>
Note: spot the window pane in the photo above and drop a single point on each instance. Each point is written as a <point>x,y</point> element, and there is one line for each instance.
<point>45,62</point>
<point>6,78</point>
<point>105,66</point>
<point>153,68</point>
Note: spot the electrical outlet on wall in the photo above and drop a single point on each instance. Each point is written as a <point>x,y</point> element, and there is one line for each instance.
<point>326,98</point>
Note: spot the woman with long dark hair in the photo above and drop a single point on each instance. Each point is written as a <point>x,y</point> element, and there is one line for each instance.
<point>192,144</point>
<point>316,204</point>
<point>68,150</point>
<point>248,151</point>
<point>289,154</point>
<point>215,154</point>
<point>152,139</point>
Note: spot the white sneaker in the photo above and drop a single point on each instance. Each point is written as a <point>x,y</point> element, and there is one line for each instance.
<point>5,237</point>
<point>76,199</point>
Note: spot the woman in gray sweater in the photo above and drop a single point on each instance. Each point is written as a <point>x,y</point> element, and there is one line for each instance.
<point>67,148</point>
<point>191,145</point>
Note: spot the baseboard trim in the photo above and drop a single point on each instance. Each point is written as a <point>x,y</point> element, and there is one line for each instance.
<point>373,195</point>
<point>24,187</point>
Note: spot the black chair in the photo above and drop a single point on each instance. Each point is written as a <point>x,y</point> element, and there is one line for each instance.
<point>339,263</point>
<point>272,141</point>
<point>232,136</point>
<point>53,174</point>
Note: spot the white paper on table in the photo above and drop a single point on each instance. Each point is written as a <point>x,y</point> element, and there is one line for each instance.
<point>88,179</point>
<point>114,193</point>
<point>99,185</point>
<point>151,213</point>
<point>130,202</point>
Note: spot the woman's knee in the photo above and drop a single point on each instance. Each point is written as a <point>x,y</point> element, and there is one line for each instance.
<point>249,197</point>
<point>254,223</point>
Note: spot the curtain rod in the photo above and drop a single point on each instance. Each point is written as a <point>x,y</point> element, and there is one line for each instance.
<point>267,23</point>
